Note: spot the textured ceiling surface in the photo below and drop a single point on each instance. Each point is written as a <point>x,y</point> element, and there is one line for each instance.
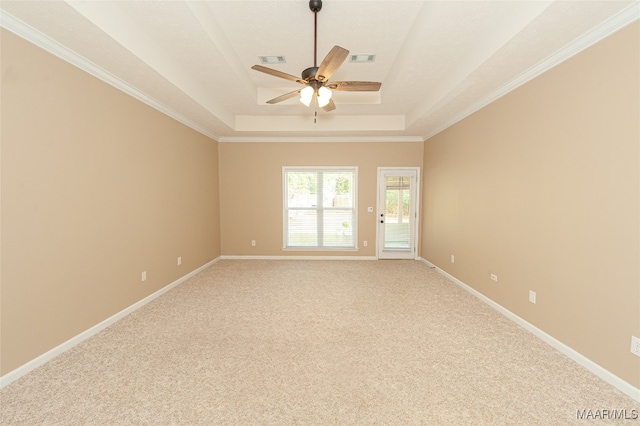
<point>438,61</point>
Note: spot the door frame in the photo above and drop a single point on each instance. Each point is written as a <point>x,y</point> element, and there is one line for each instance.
<point>380,209</point>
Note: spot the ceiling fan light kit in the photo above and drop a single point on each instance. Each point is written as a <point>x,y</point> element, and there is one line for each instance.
<point>316,78</point>
<point>306,95</point>
<point>324,96</point>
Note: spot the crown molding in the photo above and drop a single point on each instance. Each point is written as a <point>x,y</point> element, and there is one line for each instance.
<point>615,23</point>
<point>27,32</point>
<point>618,21</point>
<point>306,139</point>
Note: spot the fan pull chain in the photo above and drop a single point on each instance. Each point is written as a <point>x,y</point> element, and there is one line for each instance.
<point>315,117</point>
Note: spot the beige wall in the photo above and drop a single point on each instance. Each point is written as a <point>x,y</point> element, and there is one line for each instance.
<point>96,188</point>
<point>251,189</point>
<point>542,189</point>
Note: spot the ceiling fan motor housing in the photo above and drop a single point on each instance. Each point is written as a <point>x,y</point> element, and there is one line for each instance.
<point>309,73</point>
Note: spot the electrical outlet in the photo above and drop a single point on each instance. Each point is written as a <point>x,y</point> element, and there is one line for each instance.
<point>493,277</point>
<point>365,243</point>
<point>144,275</point>
<point>635,345</point>
<point>253,243</point>
<point>179,260</point>
<point>532,296</point>
<point>453,259</point>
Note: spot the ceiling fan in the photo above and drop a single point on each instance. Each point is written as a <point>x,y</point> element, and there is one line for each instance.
<point>316,78</point>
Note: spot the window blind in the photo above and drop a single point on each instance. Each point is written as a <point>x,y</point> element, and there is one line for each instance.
<point>320,207</point>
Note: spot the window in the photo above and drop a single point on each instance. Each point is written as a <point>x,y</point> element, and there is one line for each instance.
<point>320,207</point>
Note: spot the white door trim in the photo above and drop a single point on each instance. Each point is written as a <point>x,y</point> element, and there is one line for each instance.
<point>409,171</point>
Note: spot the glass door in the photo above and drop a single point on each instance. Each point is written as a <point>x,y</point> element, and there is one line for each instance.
<point>397,213</point>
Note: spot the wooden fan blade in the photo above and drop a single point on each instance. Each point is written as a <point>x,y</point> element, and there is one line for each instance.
<point>354,86</point>
<point>331,63</point>
<point>277,73</point>
<point>284,97</point>
<point>330,106</point>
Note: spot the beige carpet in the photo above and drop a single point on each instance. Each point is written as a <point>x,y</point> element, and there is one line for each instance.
<point>312,342</point>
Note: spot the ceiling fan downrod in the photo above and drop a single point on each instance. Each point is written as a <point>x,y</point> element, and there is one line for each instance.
<point>315,6</point>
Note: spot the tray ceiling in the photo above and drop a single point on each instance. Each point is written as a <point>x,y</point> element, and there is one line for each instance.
<point>438,61</point>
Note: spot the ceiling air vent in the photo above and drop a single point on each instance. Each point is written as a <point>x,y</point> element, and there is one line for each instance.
<point>362,58</point>
<point>272,59</point>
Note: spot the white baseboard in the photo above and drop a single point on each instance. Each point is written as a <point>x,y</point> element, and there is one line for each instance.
<point>242,257</point>
<point>596,369</point>
<point>63,347</point>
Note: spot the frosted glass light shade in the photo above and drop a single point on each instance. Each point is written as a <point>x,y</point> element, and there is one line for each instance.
<point>324,96</point>
<point>306,95</point>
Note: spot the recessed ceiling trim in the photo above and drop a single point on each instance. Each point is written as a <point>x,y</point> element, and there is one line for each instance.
<point>111,20</point>
<point>210,25</point>
<point>323,122</point>
<point>616,22</point>
<point>454,107</point>
<point>323,139</point>
<point>473,56</point>
<point>27,32</point>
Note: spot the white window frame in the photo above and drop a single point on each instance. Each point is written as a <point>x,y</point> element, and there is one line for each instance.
<point>285,208</point>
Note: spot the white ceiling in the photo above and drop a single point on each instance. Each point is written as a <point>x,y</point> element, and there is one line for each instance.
<point>438,61</point>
